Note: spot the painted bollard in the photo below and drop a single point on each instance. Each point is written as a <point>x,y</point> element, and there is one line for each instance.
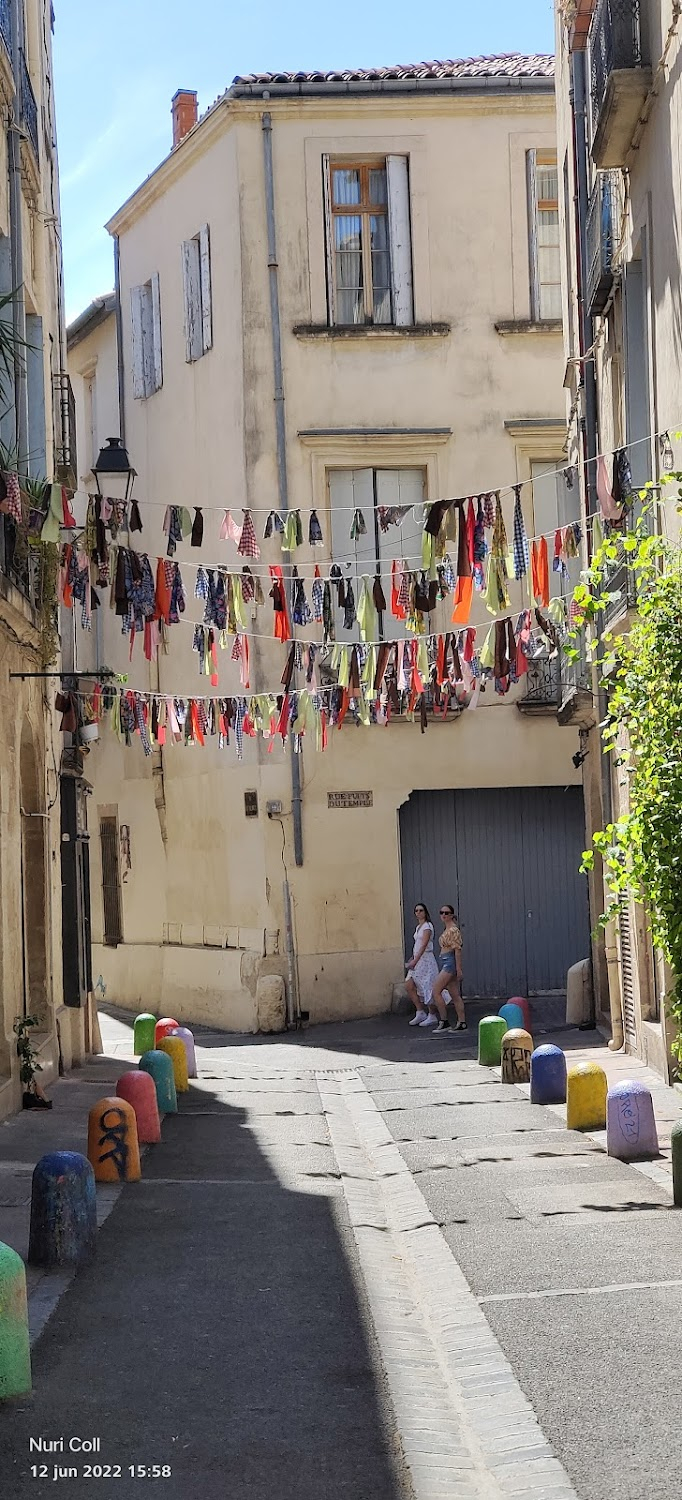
<point>63,1210</point>
<point>513,1015</point>
<point>586,1090</point>
<point>631,1133</point>
<point>490,1033</point>
<point>187,1039</point>
<point>524,1007</point>
<point>163,1027</point>
<point>112,1141</point>
<point>160,1069</point>
<point>517,1046</point>
<point>175,1049</point>
<point>138,1089</point>
<point>144,1033</point>
<point>676,1144</point>
<point>15,1353</point>
<point>548,1076</point>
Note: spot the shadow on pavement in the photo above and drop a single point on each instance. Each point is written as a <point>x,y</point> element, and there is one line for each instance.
<point>221,1330</point>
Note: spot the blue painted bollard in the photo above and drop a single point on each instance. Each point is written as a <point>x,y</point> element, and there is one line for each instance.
<point>513,1015</point>
<point>187,1039</point>
<point>143,1033</point>
<point>15,1353</point>
<point>160,1067</point>
<point>630,1121</point>
<point>63,1210</point>
<point>548,1076</point>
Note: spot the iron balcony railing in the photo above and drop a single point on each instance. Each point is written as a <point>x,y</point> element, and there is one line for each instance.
<point>615,43</point>
<point>542,685</point>
<point>19,563</point>
<point>6,25</point>
<point>29,108</point>
<point>603,231</point>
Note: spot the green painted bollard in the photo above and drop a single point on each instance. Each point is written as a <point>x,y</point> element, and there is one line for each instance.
<point>676,1143</point>
<point>15,1353</point>
<point>143,1033</point>
<point>490,1033</point>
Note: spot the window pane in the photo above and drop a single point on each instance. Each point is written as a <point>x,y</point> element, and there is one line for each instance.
<point>382,305</point>
<point>548,228</point>
<point>348,245</point>
<point>345,185</point>
<point>547,182</point>
<point>350,306</point>
<point>550,301</point>
<point>377,185</point>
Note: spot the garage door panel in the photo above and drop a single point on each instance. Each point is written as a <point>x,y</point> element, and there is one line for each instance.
<point>509,859</point>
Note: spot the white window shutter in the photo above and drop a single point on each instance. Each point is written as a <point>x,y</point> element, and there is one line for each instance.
<point>205,282</point>
<point>156,326</point>
<point>192,300</point>
<point>400,240</point>
<point>136,306</point>
<point>533,235</point>
<point>329,239</point>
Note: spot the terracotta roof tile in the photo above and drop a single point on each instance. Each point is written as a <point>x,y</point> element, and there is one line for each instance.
<point>506,65</point>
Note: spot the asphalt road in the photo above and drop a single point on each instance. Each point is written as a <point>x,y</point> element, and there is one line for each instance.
<point>224,1329</point>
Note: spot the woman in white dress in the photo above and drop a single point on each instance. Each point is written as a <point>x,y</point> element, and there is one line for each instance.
<point>422,969</point>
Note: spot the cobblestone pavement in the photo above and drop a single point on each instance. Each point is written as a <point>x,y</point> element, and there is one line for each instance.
<point>357,1265</point>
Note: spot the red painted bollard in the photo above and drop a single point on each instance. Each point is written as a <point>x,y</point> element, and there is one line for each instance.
<point>163,1027</point>
<point>139,1090</point>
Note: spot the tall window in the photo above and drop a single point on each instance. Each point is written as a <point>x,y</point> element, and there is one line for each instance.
<point>111,882</point>
<point>196,280</point>
<point>375,493</point>
<point>369,254</point>
<point>545,255</point>
<point>145,308</point>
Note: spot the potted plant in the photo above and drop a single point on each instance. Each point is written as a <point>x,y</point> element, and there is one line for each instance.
<point>33,1096</point>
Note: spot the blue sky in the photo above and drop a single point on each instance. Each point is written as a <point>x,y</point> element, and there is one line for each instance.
<point>119,62</point>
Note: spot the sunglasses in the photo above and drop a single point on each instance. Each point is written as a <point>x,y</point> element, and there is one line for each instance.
<point>446,911</point>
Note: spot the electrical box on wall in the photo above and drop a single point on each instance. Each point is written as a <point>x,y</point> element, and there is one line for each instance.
<point>273,809</point>
<point>251,804</point>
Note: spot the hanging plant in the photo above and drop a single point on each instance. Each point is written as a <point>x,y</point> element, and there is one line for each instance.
<point>641,671</point>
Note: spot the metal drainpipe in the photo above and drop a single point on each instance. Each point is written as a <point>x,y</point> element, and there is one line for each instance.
<point>16,243</point>
<point>280,429</point>
<point>578,66</point>
<point>119,341</point>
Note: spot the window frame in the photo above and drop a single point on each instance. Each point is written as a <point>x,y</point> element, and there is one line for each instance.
<point>197,295</point>
<point>541,156</point>
<point>397,214</point>
<point>147,357</point>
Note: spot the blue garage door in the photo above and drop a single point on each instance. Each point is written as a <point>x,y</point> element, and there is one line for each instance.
<point>508,860</point>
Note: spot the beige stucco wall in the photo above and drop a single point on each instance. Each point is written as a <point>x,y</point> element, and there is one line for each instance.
<point>208,438</point>
<point>30,746</point>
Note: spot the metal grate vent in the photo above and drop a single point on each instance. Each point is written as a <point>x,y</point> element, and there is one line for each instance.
<point>111,882</point>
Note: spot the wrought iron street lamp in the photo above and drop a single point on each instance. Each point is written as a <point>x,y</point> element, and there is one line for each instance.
<point>114,471</point>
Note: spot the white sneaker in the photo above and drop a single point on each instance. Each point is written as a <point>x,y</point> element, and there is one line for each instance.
<point>430,1021</point>
<point>417,1020</point>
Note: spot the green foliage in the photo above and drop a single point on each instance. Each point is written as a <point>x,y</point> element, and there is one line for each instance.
<point>28,1067</point>
<point>642,672</point>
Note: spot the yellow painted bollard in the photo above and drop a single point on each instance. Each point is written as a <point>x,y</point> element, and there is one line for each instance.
<point>113,1148</point>
<point>517,1048</point>
<point>176,1051</point>
<point>586,1090</point>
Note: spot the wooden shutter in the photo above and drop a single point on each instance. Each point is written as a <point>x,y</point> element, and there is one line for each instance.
<point>111,882</point>
<point>329,239</point>
<point>534,273</point>
<point>397,177</point>
<point>136,318</point>
<point>156,328</point>
<point>205,280</point>
<point>191,286</point>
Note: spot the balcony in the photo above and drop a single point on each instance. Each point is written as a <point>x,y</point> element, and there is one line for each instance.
<point>577,706</point>
<point>18,562</point>
<point>542,687</point>
<point>603,232</point>
<point>620,78</point>
<point>6,26</point>
<point>29,108</point>
<point>66,460</point>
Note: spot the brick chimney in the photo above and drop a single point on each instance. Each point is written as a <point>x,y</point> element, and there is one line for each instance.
<point>184,112</point>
